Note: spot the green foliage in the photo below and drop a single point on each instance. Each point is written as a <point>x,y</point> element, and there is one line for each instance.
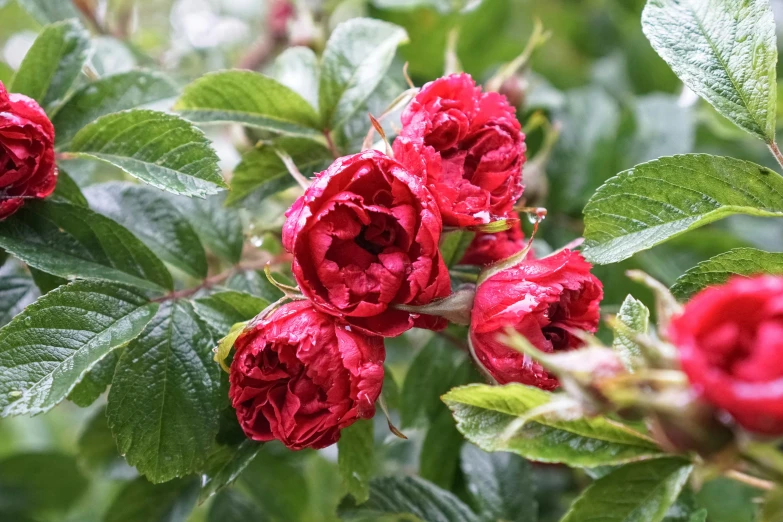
<point>412,498</point>
<point>262,173</point>
<point>484,413</point>
<point>717,270</point>
<point>355,459</point>
<point>724,51</point>
<point>49,11</point>
<point>70,241</point>
<point>634,319</point>
<point>153,219</point>
<point>222,310</point>
<point>225,471</point>
<point>160,149</point>
<point>502,485</point>
<point>53,63</point>
<point>251,99</point>
<point>661,199</point>
<point>234,506</point>
<point>163,403</point>
<point>142,501</point>
<point>219,228</point>
<point>42,359</point>
<point>39,484</point>
<point>356,57</point>
<point>637,492</point>
<point>107,95</point>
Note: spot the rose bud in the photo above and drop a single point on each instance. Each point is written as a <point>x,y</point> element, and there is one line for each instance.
<point>729,340</point>
<point>364,237</point>
<point>27,168</point>
<point>547,301</point>
<point>300,376</point>
<point>479,148</point>
<point>487,248</point>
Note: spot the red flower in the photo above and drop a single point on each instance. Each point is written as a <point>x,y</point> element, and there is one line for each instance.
<point>300,377</point>
<point>478,145</point>
<point>543,299</point>
<point>730,341</point>
<point>364,237</point>
<point>487,248</point>
<point>27,168</point>
<point>280,12</point>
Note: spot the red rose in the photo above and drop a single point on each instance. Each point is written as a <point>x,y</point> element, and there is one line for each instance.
<point>487,248</point>
<point>300,376</point>
<point>730,341</point>
<point>545,300</point>
<point>364,237</point>
<point>27,168</point>
<point>479,148</point>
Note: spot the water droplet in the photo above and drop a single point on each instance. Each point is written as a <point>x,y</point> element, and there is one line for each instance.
<point>28,320</point>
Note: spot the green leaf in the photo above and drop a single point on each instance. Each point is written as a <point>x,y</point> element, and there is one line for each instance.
<point>262,173</point>
<point>587,150</point>
<point>718,270</point>
<point>635,319</point>
<point>150,215</point>
<point>251,99</point>
<point>661,199</point>
<point>107,95</point>
<point>232,505</point>
<point>49,11</point>
<point>70,242</point>
<point>637,492</point>
<point>97,449</point>
<point>501,484</point>
<point>297,69</point>
<point>255,283</point>
<point>46,282</point>
<point>163,403</point>
<point>484,412</point>
<point>158,148</point>
<point>224,309</point>
<point>773,506</point>
<point>16,292</point>
<point>67,191</point>
<point>219,228</point>
<point>440,450</point>
<point>356,58</point>
<point>664,127</point>
<point>725,51</point>
<point>453,245</point>
<point>227,472</point>
<point>276,483</point>
<point>47,349</point>
<point>727,500</point>
<point>53,62</point>
<point>95,381</point>
<point>142,501</point>
<point>412,498</point>
<point>355,459</point>
<point>43,482</point>
<point>430,375</point>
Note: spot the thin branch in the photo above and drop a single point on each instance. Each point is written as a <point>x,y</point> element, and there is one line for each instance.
<point>212,281</point>
<point>330,144</point>
<point>773,147</point>
<point>750,480</point>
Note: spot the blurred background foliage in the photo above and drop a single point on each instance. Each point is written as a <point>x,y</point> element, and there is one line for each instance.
<point>596,82</point>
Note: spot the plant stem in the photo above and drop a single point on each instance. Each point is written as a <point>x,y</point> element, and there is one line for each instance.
<point>750,480</point>
<point>211,281</point>
<point>330,144</point>
<point>773,147</point>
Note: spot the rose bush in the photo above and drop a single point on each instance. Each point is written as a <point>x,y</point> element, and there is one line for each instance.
<point>364,237</point>
<point>300,376</point>
<point>27,167</point>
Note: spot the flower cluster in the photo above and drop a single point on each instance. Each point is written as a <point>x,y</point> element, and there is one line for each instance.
<point>364,239</point>
<point>27,168</point>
